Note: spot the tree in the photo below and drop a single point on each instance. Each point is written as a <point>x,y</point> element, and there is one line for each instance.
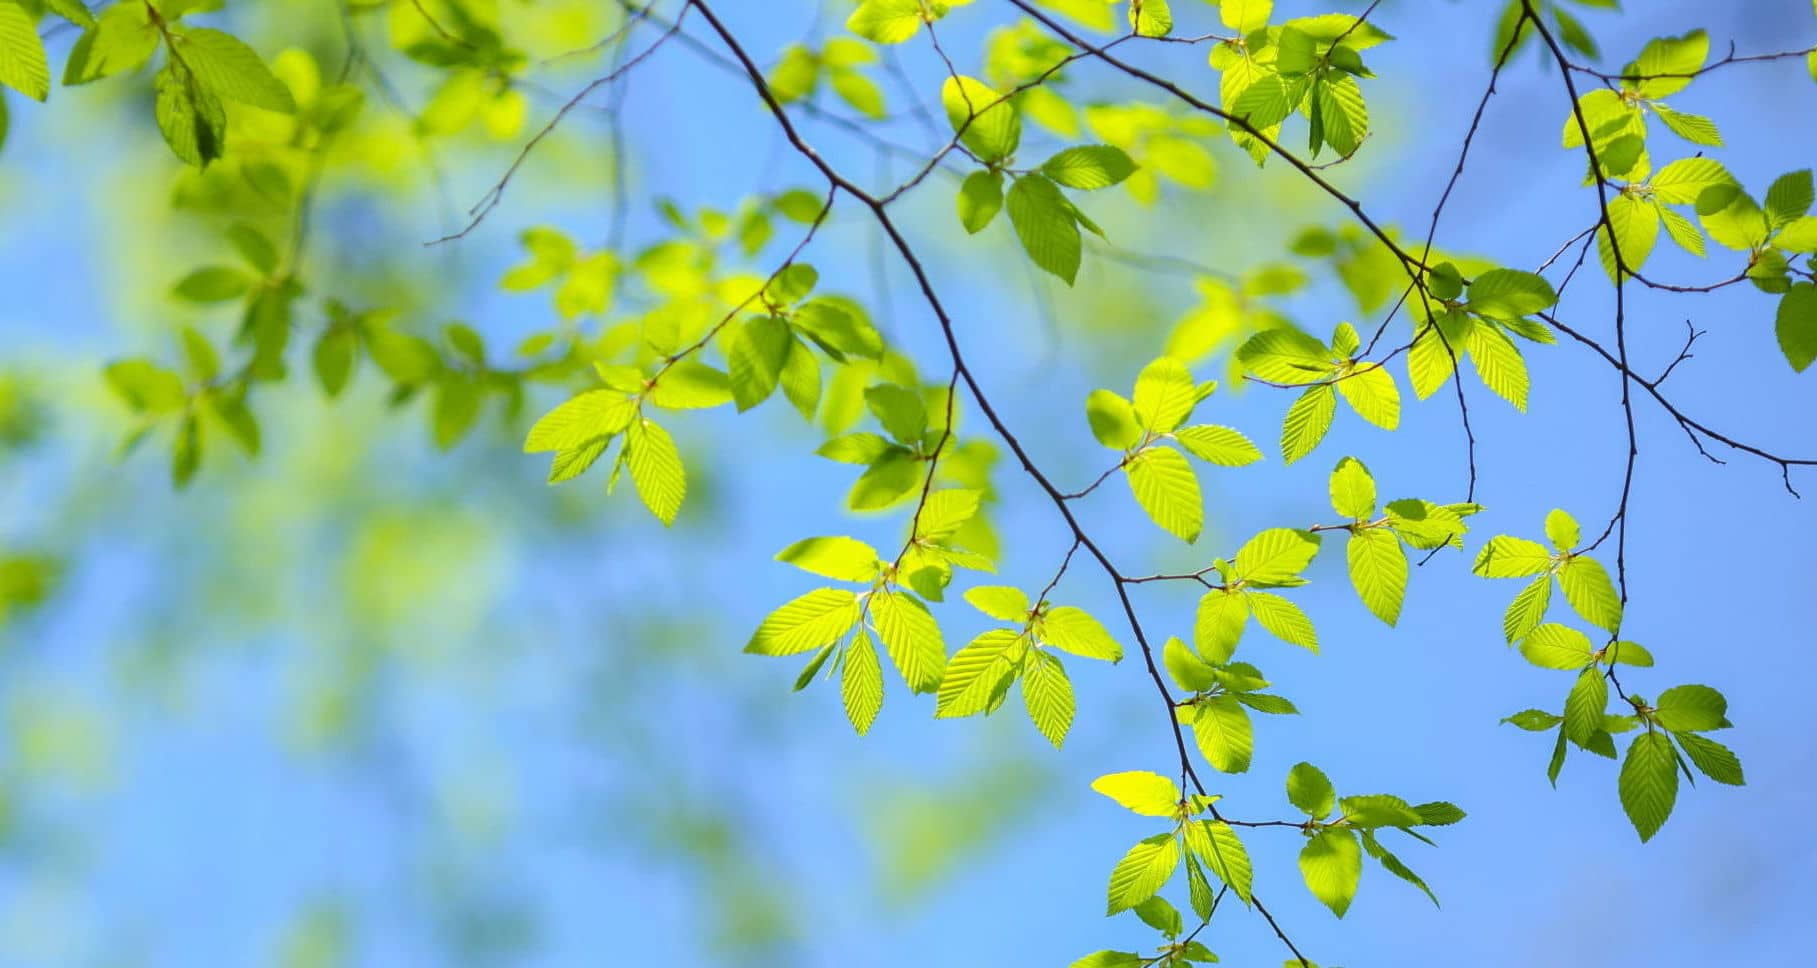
<point>1040,119</point>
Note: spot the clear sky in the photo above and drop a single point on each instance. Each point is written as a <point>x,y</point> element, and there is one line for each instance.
<point>360,693</point>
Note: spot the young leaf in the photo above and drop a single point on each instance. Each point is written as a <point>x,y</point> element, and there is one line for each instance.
<point>1218,445</point>
<point>980,198</point>
<point>1046,224</point>
<point>1283,619</point>
<point>1528,609</point>
<point>1331,864</point>
<point>886,21</point>
<point>1073,630</point>
<point>1308,789</point>
<point>1219,847</point>
<point>1276,556</point>
<point>1113,419</point>
<point>1353,490</point>
<point>861,683</point>
<point>1164,485</point>
<point>1307,421</point>
<point>1219,624</point>
<point>805,623</point>
<point>985,121</point>
<point>845,559</point>
<point>656,469</point>
<point>1144,870</point>
<point>977,674</point>
<point>999,602</point>
<point>1226,738</point>
<point>1089,167</point>
<point>1164,395</point>
<point>1556,647</point>
<point>912,637</point>
<point>1649,783</point>
<point>1588,588</point>
<point>1378,571</point>
<point>1139,791</point>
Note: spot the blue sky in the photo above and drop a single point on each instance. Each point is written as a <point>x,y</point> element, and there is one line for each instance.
<point>556,695</point>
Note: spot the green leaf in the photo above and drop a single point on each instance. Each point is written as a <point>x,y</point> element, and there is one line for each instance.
<point>977,675</point>
<point>861,683</point>
<point>1562,530</point>
<point>1534,720</point>
<point>1150,18</point>
<point>1283,355</point>
<point>1163,483</point>
<point>886,21</point>
<point>1158,913</point>
<point>1245,16</point>
<point>1528,609</point>
<point>1089,167</point>
<point>208,284</point>
<point>190,117</point>
<point>1226,738</point>
<point>1636,224</point>
<point>1283,619</point>
<point>1139,791</point>
<point>1276,556</point>
<point>980,198</point>
<point>1508,557</point>
<point>1343,115</point>
<point>1219,624</point>
<point>1799,235</point>
<point>1165,395</point>
<point>1378,810</point>
<point>894,476</point>
<point>1499,364</point>
<point>1694,128</point>
<point>1649,783</point>
<point>1352,490</point>
<point>1311,791</point>
<point>1668,55</point>
<point>1692,709</point>
<point>232,70</point>
<point>23,66</point>
<point>1789,197</point>
<point>945,512</point>
<point>595,413</point>
<point>1144,870</point>
<point>845,559</point>
<point>985,121</point>
<point>1046,224</point>
<point>1683,181</point>
<point>656,469</point>
<point>689,385</point>
<point>1188,671</point>
<point>1307,421</point>
<point>1795,324</point>
<point>1370,390</point>
<point>1588,588</point>
<point>1711,758</point>
<point>899,409</point>
<point>333,358</point>
<point>1628,653</point>
<point>1554,646</point>
<point>1000,602</point>
<point>1048,695</point>
<point>1585,705</point>
<point>122,40</point>
<point>808,622</point>
<point>1510,294</point>
<point>1073,630</point>
<point>1378,571</point>
<point>1109,959</point>
<point>1393,865</point>
<point>912,637</point>
<point>1217,445</point>
<point>755,356</point>
<point>1219,847</point>
<point>1113,419</point>
<point>1331,864</point>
